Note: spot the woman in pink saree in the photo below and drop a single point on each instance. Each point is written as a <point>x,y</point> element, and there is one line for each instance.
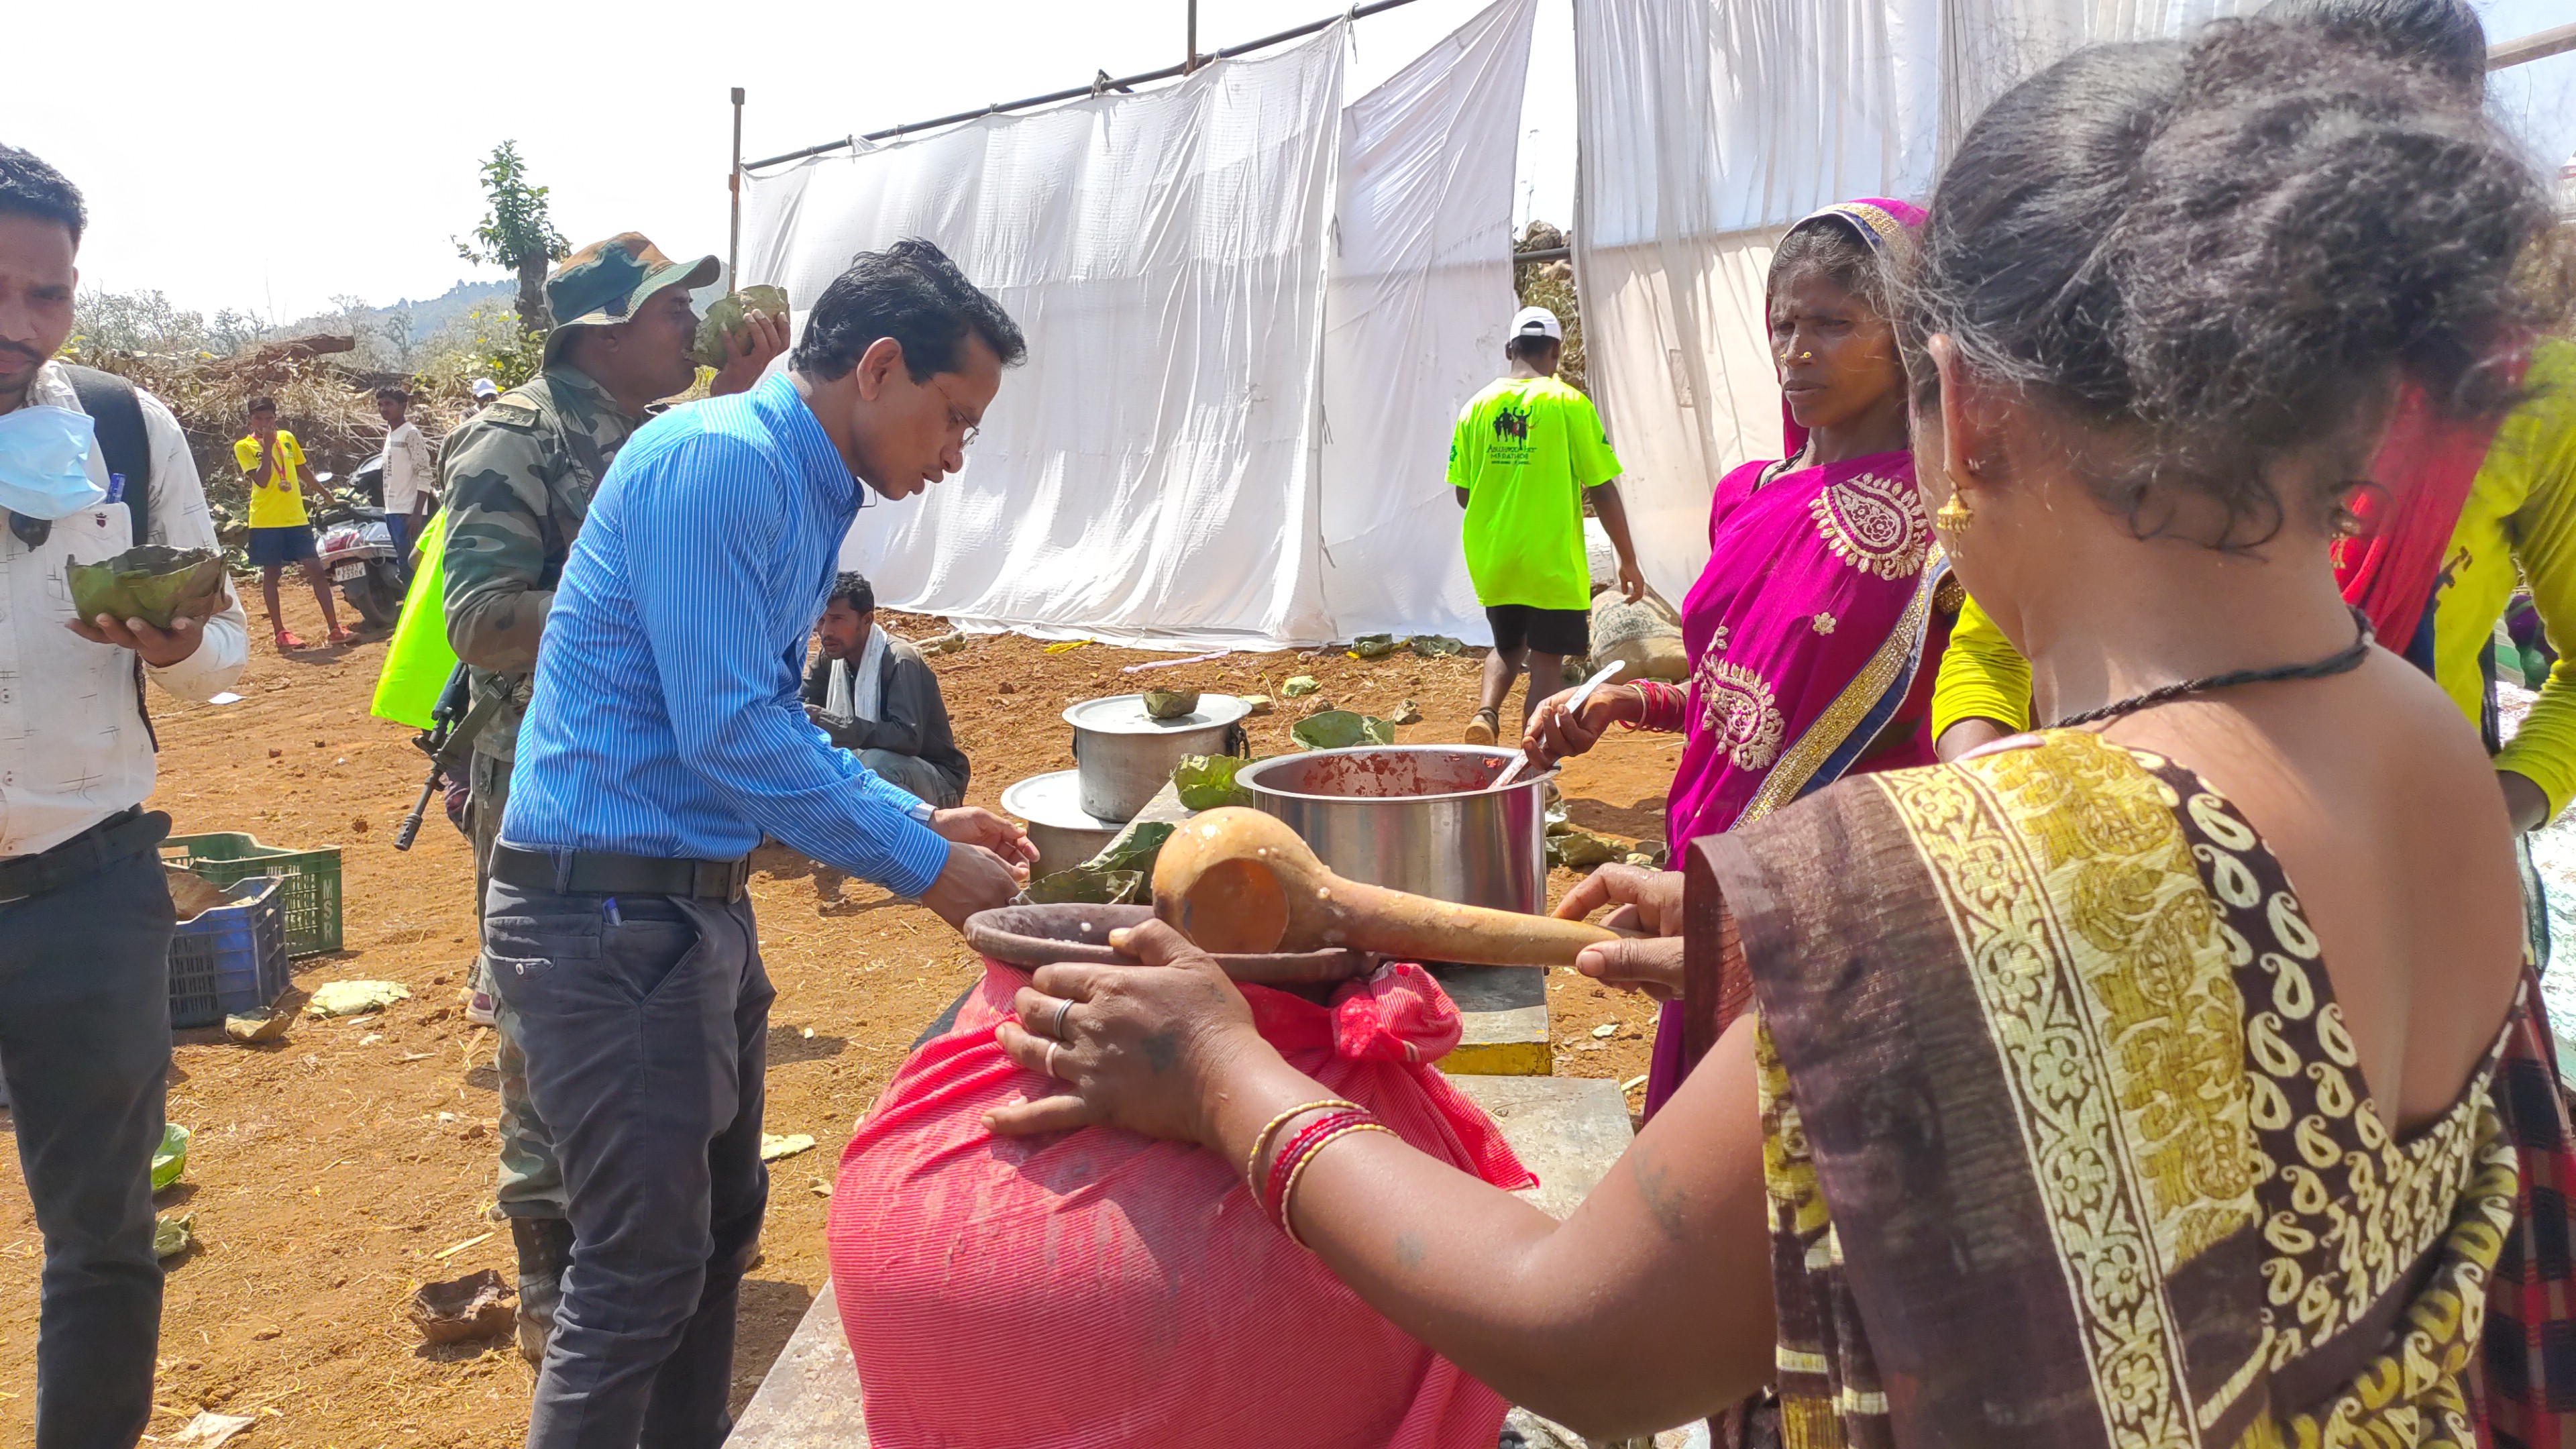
<point>1822,597</point>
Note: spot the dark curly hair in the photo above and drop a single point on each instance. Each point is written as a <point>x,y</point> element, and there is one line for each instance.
<point>29,187</point>
<point>2443,36</point>
<point>914,294</point>
<point>852,588</point>
<point>2204,259</point>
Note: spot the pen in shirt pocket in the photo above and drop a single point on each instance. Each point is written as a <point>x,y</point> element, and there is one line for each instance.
<point>608,908</point>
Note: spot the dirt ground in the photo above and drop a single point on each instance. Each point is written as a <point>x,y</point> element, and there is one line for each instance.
<point>334,1172</point>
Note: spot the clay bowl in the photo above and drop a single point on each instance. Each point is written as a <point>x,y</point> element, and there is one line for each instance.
<point>1034,936</point>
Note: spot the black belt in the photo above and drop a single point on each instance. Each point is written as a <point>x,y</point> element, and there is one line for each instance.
<point>113,841</point>
<point>598,873</point>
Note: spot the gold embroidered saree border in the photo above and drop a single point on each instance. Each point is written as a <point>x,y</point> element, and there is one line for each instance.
<point>1830,729</point>
<point>2081,916</point>
<point>2007,1082</point>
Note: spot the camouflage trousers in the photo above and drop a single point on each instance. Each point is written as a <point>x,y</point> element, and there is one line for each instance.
<point>531,1180</point>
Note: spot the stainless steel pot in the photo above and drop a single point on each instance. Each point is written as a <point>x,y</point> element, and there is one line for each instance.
<point>1416,818</point>
<point>1065,834</point>
<point>1125,755</point>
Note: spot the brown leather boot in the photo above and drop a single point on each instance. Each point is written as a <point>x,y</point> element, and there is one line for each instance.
<point>545,1250</point>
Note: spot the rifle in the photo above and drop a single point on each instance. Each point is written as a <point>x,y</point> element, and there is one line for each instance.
<point>449,741</point>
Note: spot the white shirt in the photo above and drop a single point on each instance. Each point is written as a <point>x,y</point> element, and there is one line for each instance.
<point>74,747</point>
<point>407,473</point>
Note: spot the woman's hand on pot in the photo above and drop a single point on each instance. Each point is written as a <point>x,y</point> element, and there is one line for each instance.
<point>1144,1047</point>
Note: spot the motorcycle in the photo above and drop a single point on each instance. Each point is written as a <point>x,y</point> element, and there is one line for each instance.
<point>359,551</point>
<point>369,481</point>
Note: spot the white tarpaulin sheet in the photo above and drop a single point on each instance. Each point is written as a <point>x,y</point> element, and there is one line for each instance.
<point>1252,315</point>
<point>1150,473</point>
<point>1419,298</point>
<point>1706,127</point>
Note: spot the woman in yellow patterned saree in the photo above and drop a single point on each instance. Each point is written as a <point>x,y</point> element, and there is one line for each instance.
<point>2170,1077</point>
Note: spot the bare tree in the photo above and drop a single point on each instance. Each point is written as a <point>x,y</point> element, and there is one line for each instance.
<point>135,322</point>
<point>400,337</point>
<point>231,331</point>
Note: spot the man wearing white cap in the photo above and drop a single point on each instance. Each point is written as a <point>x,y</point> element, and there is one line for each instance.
<point>1527,452</point>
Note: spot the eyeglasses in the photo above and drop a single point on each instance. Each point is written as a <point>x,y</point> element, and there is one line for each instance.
<point>968,428</point>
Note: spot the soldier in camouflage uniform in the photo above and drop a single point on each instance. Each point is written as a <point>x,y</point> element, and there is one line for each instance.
<point>517,479</point>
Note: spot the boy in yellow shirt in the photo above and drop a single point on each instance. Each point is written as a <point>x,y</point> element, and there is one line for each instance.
<point>280,533</point>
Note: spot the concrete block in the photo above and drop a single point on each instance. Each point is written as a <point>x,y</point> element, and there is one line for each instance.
<point>1567,1130</point>
<point>1503,1021</point>
<point>810,1398</point>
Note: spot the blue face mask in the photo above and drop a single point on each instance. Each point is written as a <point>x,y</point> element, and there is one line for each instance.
<point>44,462</point>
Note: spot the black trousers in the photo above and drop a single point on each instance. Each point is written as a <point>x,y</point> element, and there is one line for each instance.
<point>85,1043</point>
<point>644,1020</point>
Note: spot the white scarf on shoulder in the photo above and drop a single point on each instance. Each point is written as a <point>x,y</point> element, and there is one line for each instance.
<point>864,697</point>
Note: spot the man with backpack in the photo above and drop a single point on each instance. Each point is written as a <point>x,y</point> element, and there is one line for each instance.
<point>88,465</point>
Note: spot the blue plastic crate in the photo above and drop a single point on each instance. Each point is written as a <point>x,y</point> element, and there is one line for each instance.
<point>231,958</point>
<point>312,896</point>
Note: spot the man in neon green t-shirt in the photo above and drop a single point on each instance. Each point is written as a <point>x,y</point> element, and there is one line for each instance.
<point>1526,451</point>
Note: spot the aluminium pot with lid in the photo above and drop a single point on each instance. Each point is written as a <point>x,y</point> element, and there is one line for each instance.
<point>1124,755</point>
<point>1065,834</point>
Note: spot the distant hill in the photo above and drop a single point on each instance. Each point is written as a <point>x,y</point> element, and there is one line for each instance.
<point>376,327</point>
<point>426,317</point>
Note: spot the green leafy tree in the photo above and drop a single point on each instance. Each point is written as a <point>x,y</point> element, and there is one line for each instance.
<point>1551,285</point>
<point>517,233</point>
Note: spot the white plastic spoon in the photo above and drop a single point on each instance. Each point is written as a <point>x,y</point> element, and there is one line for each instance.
<point>1582,693</point>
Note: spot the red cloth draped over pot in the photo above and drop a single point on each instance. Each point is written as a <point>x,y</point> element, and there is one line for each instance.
<point>1095,1288</point>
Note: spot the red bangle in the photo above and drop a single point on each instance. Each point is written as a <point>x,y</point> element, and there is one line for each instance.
<point>1274,1191</point>
<point>1657,700</point>
<point>1288,1194</point>
<point>1252,1160</point>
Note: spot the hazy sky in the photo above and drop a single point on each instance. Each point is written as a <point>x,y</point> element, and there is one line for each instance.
<point>326,149</point>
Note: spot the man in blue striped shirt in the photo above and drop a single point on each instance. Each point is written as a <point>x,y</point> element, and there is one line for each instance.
<point>665,735</point>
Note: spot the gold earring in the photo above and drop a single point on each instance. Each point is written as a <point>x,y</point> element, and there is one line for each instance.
<point>1952,518</point>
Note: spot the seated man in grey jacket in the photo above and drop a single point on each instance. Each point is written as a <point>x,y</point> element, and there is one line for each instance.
<point>875,696</point>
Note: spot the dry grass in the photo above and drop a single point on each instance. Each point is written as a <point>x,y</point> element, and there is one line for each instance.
<point>330,409</point>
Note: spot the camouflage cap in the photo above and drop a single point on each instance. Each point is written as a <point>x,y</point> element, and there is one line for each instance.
<point>602,284</point>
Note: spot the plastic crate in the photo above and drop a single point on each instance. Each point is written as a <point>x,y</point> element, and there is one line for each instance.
<point>231,958</point>
<point>312,895</point>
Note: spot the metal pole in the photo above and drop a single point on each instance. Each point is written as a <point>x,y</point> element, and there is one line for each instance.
<point>1190,61</point>
<point>1357,12</point>
<point>2538,45</point>
<point>733,183</point>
